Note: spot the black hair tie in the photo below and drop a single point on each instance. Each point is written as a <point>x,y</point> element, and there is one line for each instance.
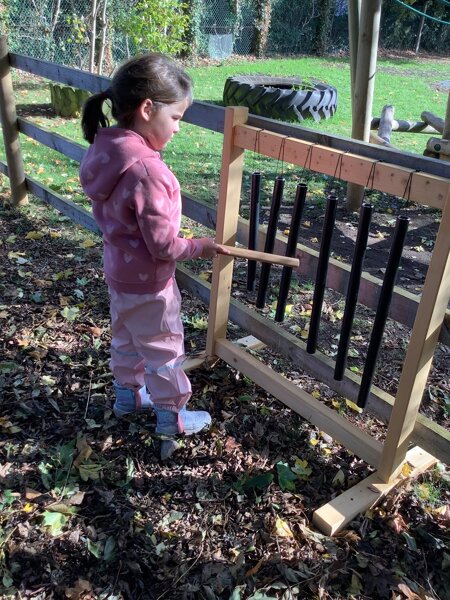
<point>105,95</point>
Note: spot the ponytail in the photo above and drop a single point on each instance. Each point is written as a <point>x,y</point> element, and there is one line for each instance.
<point>93,116</point>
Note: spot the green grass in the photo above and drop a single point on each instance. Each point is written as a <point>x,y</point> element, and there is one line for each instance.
<point>194,155</point>
<point>431,490</point>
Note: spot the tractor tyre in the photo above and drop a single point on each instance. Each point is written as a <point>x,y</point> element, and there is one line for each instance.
<point>284,98</point>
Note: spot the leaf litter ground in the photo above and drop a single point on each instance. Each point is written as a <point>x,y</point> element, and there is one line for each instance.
<point>88,511</point>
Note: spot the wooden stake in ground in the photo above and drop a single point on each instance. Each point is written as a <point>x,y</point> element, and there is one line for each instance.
<point>369,27</point>
<point>8,117</point>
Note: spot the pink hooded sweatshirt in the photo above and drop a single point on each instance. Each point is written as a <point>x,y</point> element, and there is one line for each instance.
<point>137,205</point>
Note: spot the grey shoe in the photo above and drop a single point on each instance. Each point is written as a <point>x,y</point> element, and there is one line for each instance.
<point>129,401</point>
<point>171,424</point>
<point>186,421</point>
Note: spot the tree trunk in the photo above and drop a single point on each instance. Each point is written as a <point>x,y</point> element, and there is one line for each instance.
<point>354,11</point>
<point>324,22</point>
<point>192,9</point>
<point>55,15</point>
<point>103,27</point>
<point>419,33</point>
<point>261,29</point>
<point>92,36</point>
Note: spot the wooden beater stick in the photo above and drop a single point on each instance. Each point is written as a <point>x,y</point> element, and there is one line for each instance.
<point>265,257</point>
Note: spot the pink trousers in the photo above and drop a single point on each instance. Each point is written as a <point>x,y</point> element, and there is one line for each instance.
<point>147,345</point>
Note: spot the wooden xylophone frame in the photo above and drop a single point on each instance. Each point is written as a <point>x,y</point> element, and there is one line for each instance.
<point>387,458</point>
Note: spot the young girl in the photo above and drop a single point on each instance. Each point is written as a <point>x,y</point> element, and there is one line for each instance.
<point>137,205</point>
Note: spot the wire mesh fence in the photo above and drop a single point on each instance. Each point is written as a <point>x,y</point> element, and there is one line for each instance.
<point>39,30</point>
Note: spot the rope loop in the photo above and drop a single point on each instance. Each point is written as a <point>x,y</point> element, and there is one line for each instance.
<point>407,192</point>
<point>281,156</point>
<point>256,152</point>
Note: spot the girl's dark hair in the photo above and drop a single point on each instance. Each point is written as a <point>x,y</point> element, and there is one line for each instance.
<point>154,76</point>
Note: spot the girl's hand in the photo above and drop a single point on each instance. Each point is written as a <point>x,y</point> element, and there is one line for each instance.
<point>210,249</point>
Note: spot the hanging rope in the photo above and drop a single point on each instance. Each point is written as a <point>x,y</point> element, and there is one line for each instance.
<point>256,162</point>
<point>419,12</point>
<point>281,157</point>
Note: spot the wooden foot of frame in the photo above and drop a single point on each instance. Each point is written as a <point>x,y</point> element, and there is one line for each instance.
<point>334,515</point>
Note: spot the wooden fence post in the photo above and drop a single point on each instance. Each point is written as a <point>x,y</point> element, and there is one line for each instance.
<point>10,129</point>
<point>363,87</point>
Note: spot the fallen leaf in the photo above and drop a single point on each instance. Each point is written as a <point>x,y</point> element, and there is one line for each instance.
<point>88,243</point>
<point>77,592</point>
<point>352,406</point>
<point>282,529</point>
<point>34,235</point>
<point>254,569</point>
<point>301,468</point>
<point>54,521</point>
<point>406,470</point>
<point>407,591</point>
<point>397,524</point>
<point>338,479</point>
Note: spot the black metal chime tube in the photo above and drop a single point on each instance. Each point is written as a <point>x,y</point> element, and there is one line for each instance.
<point>321,274</point>
<point>277,196</point>
<point>255,192</point>
<point>384,302</point>
<point>353,288</point>
<point>291,248</point>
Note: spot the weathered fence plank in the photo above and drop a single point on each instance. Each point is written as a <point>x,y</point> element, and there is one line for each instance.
<point>52,140</point>
<point>68,75</point>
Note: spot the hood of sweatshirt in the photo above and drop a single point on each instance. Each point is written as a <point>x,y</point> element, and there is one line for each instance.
<point>115,150</point>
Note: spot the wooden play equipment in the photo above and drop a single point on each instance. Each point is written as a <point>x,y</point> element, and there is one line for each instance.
<point>388,458</point>
<point>385,124</point>
<point>389,171</point>
<point>439,147</point>
<point>436,147</point>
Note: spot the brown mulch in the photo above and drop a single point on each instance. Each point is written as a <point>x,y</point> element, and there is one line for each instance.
<point>87,509</point>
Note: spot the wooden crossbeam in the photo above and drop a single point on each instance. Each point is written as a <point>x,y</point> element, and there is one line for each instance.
<point>385,177</point>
